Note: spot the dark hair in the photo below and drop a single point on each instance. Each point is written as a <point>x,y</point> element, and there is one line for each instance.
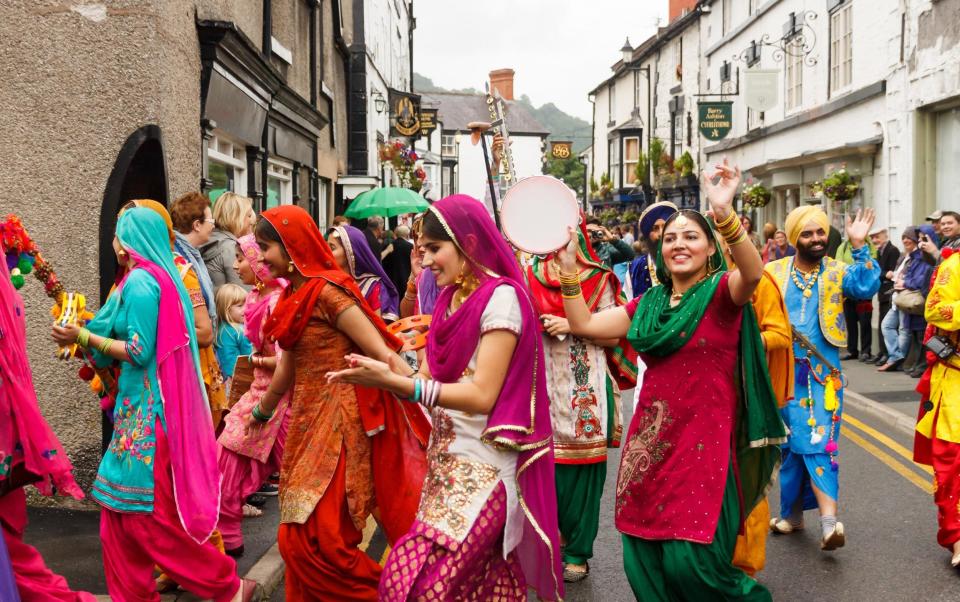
<point>952,214</point>
<point>432,228</point>
<point>266,231</point>
<point>697,217</point>
<point>594,221</point>
<point>187,209</point>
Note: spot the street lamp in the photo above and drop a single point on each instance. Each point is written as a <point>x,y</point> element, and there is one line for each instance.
<point>378,101</point>
<point>584,161</point>
<point>626,52</point>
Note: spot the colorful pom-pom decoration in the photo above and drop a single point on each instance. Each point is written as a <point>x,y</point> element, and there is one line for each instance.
<point>812,421</point>
<point>834,466</point>
<point>24,265</point>
<point>17,281</point>
<point>86,373</point>
<point>830,447</point>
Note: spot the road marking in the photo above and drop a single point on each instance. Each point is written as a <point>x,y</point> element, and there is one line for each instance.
<point>890,461</point>
<point>901,450</point>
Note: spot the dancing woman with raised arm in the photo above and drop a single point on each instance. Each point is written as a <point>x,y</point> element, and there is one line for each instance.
<point>702,441</point>
<point>487,524</point>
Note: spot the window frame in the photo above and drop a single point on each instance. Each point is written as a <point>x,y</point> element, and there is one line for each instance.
<point>629,165</point>
<point>224,150</point>
<point>282,171</point>
<point>452,146</point>
<point>793,81</point>
<point>840,71</point>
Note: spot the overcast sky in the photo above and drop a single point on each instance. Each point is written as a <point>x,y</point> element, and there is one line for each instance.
<point>560,49</point>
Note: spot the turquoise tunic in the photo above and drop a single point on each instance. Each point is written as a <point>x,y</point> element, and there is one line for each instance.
<point>124,480</point>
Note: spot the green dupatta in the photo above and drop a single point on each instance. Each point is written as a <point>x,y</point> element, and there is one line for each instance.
<point>659,329</point>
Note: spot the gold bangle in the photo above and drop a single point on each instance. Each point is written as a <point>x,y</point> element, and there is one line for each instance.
<point>83,337</point>
<point>730,227</point>
<point>104,346</point>
<point>726,221</point>
<point>571,291</point>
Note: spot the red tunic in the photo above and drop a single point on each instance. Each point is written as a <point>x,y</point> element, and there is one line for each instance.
<point>674,465</point>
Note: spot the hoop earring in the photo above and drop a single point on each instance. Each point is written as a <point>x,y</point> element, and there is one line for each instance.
<point>290,267</point>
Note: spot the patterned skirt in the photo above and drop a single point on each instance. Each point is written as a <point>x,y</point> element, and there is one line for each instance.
<point>427,565</point>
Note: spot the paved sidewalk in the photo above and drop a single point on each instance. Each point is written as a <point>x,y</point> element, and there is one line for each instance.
<point>890,391</point>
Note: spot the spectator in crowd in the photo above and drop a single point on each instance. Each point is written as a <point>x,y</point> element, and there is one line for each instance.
<point>374,233</point>
<point>627,235</point>
<point>194,224</point>
<point>833,242</point>
<point>912,273</point>
<point>769,233</point>
<point>397,263</point>
<point>781,247</point>
<point>949,233</point>
<point>751,233</point>
<point>610,249</point>
<point>234,217</point>
<point>340,220</point>
<point>934,219</point>
<point>888,256</point>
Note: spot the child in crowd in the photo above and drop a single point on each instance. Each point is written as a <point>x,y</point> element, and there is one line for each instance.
<point>230,343</point>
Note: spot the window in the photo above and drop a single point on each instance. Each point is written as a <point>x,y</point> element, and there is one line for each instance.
<point>841,48</point>
<point>636,89</point>
<point>448,145</point>
<point>611,102</point>
<point>323,196</point>
<point>678,58</point>
<point>754,119</point>
<point>613,159</point>
<point>631,155</point>
<point>793,79</point>
<point>947,157</point>
<point>676,134</point>
<point>279,183</point>
<point>226,166</point>
<point>726,16</point>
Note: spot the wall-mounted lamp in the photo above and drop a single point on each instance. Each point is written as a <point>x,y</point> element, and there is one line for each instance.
<point>379,102</point>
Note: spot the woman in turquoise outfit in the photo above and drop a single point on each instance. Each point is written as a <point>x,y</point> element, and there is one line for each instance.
<point>161,440</point>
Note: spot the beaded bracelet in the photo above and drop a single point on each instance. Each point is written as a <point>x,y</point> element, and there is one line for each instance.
<point>83,337</point>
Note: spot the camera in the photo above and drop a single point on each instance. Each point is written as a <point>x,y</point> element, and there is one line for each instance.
<point>596,235</point>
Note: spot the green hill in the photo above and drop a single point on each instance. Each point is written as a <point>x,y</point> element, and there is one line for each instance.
<point>561,125</point>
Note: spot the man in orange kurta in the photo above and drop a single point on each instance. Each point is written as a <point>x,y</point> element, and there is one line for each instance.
<point>751,552</point>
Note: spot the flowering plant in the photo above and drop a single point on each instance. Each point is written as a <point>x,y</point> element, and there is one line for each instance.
<point>404,161</point>
<point>839,185</point>
<point>755,195</point>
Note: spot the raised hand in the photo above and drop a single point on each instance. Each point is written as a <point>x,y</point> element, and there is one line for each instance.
<point>567,256</point>
<point>859,227</point>
<point>720,195</point>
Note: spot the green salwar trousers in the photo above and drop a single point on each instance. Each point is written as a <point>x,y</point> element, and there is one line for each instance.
<point>579,489</point>
<point>677,570</point>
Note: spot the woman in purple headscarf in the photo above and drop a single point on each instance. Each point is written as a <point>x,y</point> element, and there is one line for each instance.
<point>353,255</point>
<point>487,522</point>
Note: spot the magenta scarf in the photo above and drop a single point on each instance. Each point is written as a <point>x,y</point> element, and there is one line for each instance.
<point>520,419</point>
<point>261,299</point>
<point>193,448</point>
<point>24,433</point>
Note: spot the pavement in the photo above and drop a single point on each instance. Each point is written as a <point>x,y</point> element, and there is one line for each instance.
<point>886,506</point>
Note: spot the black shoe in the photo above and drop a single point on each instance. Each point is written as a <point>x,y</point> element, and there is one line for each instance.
<point>234,552</point>
<point>846,356</point>
<point>256,500</point>
<point>269,489</point>
<point>866,357</point>
<point>881,360</point>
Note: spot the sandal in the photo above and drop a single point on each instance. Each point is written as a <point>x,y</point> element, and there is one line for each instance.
<point>251,511</point>
<point>571,575</point>
<point>782,526</point>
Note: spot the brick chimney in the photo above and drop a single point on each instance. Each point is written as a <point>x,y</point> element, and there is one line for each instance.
<point>502,80</point>
<point>678,8</point>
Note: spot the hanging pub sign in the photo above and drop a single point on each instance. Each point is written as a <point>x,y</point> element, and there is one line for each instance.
<point>404,113</point>
<point>761,88</point>
<point>715,119</point>
<point>561,149</point>
<point>428,121</point>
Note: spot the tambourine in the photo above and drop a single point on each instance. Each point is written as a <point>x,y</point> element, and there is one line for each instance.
<point>537,213</point>
<point>409,330</point>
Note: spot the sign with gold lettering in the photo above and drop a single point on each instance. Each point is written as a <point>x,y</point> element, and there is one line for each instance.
<point>428,121</point>
<point>561,149</point>
<point>404,113</point>
<point>715,119</point>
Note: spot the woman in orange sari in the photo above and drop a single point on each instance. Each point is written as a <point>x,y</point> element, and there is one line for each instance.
<point>345,443</point>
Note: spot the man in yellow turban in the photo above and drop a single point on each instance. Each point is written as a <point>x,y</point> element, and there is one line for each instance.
<point>814,286</point>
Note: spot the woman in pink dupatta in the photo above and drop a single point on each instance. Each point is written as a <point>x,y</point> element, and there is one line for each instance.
<point>158,482</point>
<point>246,457</point>
<point>29,453</point>
<point>487,523</point>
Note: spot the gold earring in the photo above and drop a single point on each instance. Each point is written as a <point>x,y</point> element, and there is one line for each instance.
<point>460,277</point>
<point>122,254</point>
<point>290,267</point>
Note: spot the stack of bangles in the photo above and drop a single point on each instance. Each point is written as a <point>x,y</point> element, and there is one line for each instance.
<point>256,360</point>
<point>411,292</point>
<point>83,339</point>
<point>570,286</point>
<point>425,392</point>
<point>258,414</point>
<point>732,230</point>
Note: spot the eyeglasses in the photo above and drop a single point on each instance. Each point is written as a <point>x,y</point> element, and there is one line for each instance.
<point>209,221</point>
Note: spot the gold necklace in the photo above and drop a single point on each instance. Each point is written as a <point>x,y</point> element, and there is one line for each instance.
<point>806,285</point>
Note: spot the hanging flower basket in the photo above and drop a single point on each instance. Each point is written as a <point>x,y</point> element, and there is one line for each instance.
<point>403,159</point>
<point>839,185</point>
<point>755,196</point>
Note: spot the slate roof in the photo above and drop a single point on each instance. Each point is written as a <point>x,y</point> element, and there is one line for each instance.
<point>456,110</point>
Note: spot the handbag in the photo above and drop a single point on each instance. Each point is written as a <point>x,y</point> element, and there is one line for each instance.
<point>910,301</point>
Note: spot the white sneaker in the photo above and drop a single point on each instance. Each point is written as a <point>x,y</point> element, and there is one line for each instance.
<point>783,526</point>
<point>833,540</point>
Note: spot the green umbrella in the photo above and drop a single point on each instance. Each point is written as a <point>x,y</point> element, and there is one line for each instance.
<point>387,202</point>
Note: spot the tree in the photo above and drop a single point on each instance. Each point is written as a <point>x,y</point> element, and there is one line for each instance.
<point>569,170</point>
